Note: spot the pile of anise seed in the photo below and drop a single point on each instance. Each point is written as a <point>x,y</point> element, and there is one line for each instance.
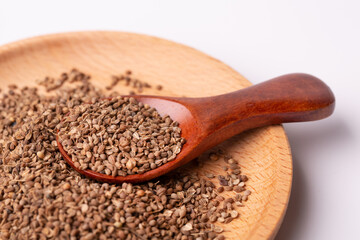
<point>41,197</point>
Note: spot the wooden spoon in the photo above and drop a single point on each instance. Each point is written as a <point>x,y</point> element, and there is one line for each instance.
<point>205,122</point>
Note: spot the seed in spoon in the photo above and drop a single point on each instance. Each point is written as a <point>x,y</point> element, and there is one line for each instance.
<point>119,136</point>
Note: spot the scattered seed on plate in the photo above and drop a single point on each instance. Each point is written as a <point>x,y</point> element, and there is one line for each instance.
<point>137,85</point>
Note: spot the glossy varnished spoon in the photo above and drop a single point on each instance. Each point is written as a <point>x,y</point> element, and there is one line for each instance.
<point>205,122</point>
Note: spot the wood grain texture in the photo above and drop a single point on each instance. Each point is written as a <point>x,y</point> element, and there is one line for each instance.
<point>263,153</point>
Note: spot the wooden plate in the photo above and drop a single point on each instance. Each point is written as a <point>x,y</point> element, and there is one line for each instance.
<point>264,154</point>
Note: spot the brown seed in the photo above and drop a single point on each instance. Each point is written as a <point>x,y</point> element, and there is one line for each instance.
<point>243,178</point>
<point>124,142</point>
<point>140,193</point>
<point>229,200</point>
<point>187,227</point>
<point>238,196</point>
<point>220,237</point>
<point>84,208</point>
<point>182,212</point>
<point>130,164</point>
<point>218,229</point>
<point>234,166</point>
<point>40,154</point>
<point>213,218</point>
<point>238,189</point>
<point>247,192</point>
<point>66,186</point>
<point>223,182</point>
<point>234,214</point>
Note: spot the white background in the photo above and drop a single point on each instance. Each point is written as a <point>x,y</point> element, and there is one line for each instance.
<point>261,40</point>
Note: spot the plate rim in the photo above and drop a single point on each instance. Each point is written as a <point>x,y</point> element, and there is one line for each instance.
<point>272,228</point>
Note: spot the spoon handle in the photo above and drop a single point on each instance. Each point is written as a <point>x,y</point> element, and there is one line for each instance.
<point>288,98</point>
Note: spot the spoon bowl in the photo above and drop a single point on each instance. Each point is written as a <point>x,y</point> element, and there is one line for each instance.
<point>205,122</point>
